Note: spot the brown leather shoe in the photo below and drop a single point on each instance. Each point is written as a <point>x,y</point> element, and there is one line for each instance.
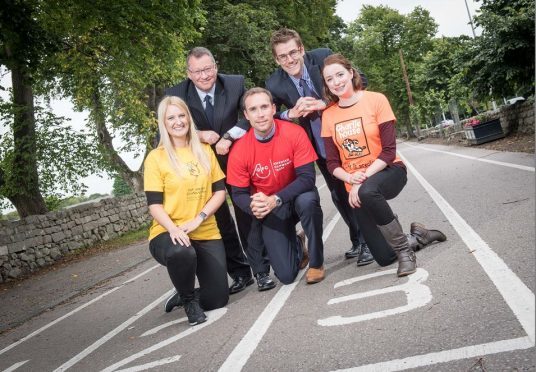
<point>425,236</point>
<point>305,252</point>
<point>314,275</point>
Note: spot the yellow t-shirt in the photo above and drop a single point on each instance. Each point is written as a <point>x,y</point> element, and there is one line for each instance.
<point>185,196</point>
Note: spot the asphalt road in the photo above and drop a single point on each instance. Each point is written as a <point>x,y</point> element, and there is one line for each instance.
<point>469,307</point>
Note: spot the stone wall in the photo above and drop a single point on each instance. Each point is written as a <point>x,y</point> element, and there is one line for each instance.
<point>39,240</point>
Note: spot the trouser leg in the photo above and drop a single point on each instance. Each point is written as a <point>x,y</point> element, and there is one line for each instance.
<point>307,209</point>
<point>180,261</point>
<point>339,197</point>
<point>279,236</point>
<point>211,273</point>
<point>237,264</point>
<point>256,249</point>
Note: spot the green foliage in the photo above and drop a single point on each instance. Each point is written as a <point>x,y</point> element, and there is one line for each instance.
<point>120,187</point>
<point>374,41</point>
<point>501,60</point>
<point>238,32</point>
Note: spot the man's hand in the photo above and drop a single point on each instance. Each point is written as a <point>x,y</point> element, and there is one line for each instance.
<point>208,136</point>
<point>261,204</point>
<point>304,106</point>
<point>223,146</point>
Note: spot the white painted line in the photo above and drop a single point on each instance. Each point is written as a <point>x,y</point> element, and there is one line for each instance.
<point>162,326</point>
<point>45,327</point>
<point>156,363</point>
<point>142,274</point>
<point>417,295</point>
<point>81,355</point>
<point>445,356</point>
<point>515,293</point>
<point>241,353</point>
<point>212,316</point>
<point>511,165</point>
<point>15,366</point>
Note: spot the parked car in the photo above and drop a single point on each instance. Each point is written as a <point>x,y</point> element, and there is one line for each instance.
<point>511,101</point>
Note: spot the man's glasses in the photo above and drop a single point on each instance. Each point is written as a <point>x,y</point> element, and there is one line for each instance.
<point>208,71</point>
<point>295,53</point>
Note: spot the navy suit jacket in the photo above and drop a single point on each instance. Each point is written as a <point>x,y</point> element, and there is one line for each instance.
<point>227,103</point>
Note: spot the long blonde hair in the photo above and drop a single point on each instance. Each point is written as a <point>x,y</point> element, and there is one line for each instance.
<point>192,138</point>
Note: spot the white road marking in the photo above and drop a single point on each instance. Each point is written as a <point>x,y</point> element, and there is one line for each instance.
<point>241,353</point>
<point>15,366</point>
<point>515,293</point>
<point>417,295</point>
<point>511,165</point>
<point>212,316</point>
<point>162,326</point>
<point>146,366</point>
<point>445,356</point>
<point>78,357</point>
<point>45,327</point>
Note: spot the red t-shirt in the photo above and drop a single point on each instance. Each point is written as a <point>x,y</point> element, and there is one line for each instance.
<point>269,167</point>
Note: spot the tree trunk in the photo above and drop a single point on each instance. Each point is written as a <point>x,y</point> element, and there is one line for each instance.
<point>118,165</point>
<point>22,182</point>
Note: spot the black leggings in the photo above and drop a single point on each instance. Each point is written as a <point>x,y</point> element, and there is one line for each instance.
<point>375,210</point>
<point>204,258</point>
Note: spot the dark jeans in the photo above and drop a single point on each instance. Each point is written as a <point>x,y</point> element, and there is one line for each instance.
<point>375,210</point>
<point>339,196</point>
<point>277,232</point>
<point>204,259</point>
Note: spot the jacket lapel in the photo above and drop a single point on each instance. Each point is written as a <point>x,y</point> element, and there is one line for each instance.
<point>196,107</point>
<point>219,105</point>
<point>316,76</point>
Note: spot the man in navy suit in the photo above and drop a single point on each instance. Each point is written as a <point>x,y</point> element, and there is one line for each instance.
<point>298,86</point>
<point>214,100</point>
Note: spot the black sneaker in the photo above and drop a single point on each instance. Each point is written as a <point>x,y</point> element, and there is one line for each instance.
<point>194,312</point>
<point>173,301</point>
<point>264,282</point>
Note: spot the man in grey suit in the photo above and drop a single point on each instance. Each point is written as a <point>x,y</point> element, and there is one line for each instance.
<point>214,101</point>
<point>298,86</point>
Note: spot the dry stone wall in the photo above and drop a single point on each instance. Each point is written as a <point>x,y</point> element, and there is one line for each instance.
<point>39,240</point>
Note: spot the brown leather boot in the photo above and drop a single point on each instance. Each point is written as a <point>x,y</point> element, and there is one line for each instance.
<point>395,237</point>
<point>425,236</point>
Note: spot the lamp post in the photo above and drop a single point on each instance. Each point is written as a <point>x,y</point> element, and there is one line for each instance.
<point>470,19</point>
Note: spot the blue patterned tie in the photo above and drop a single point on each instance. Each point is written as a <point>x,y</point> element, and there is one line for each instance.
<point>209,110</point>
<point>314,118</point>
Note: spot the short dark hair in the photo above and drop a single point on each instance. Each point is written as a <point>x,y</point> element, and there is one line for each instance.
<point>255,90</point>
<point>339,59</point>
<point>282,36</point>
<point>199,52</point>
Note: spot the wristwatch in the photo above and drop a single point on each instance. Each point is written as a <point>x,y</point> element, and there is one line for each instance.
<point>228,137</point>
<point>203,215</point>
<point>278,201</point>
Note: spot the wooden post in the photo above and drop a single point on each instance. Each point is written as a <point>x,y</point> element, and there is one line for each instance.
<point>408,89</point>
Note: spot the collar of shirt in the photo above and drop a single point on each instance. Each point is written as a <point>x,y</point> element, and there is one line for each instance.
<point>305,76</point>
<point>266,138</point>
<point>202,95</point>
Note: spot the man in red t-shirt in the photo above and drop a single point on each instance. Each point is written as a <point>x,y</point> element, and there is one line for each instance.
<point>271,171</point>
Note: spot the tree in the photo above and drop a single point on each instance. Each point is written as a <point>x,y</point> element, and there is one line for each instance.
<point>116,59</point>
<point>501,61</point>
<point>120,187</point>
<point>377,36</point>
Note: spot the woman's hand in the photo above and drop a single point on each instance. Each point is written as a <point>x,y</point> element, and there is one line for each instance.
<point>179,236</point>
<point>353,196</point>
<point>191,225</point>
<point>357,178</point>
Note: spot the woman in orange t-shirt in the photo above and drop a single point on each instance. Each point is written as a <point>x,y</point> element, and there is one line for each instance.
<point>360,141</point>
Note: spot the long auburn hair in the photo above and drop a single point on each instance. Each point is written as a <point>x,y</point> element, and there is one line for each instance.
<point>192,138</point>
<point>339,59</point>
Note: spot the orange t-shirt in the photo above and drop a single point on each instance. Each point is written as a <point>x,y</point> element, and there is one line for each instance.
<point>356,130</point>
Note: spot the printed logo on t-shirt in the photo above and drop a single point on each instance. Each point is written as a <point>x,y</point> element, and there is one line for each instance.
<point>351,137</point>
<point>193,168</point>
<point>261,171</point>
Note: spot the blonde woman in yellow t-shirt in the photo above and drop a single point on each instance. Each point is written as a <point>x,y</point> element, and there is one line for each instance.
<point>184,186</point>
